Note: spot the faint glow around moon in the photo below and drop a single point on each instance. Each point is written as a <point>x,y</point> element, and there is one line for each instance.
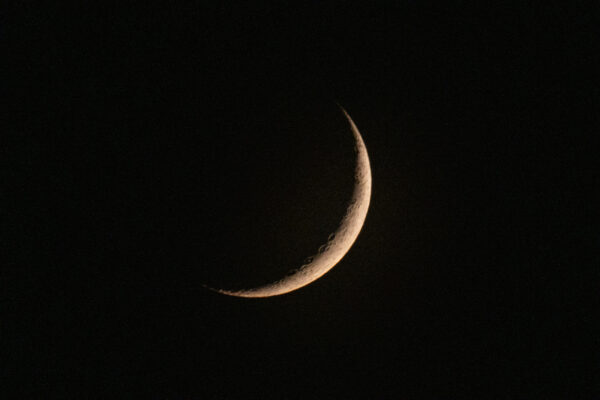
<point>338,243</point>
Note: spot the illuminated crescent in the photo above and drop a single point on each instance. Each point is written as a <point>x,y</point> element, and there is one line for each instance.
<point>339,242</point>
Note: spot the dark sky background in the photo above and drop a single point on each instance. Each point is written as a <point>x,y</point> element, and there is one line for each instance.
<point>151,148</point>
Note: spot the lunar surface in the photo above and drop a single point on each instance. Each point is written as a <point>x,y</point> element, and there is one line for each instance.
<point>338,243</point>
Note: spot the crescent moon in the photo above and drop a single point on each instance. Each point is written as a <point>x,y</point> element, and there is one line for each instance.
<point>339,242</point>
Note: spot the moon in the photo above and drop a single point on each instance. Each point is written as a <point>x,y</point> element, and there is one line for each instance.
<point>338,243</point>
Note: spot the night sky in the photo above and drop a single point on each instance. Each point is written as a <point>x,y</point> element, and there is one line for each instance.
<point>149,149</point>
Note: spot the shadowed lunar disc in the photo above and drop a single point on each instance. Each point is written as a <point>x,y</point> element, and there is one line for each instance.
<point>339,242</point>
